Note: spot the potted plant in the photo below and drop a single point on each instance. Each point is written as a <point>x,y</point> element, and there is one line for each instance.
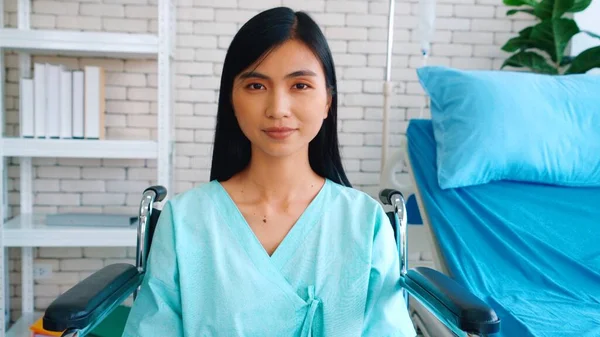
<point>541,47</point>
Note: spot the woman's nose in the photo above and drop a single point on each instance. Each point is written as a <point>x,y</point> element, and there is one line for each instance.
<point>279,105</point>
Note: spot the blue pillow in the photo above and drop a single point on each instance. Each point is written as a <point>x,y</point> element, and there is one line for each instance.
<point>505,125</point>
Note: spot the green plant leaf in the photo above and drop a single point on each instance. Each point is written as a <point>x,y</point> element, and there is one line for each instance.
<point>515,11</point>
<point>544,9</point>
<point>561,7</point>
<point>586,60</point>
<point>547,9</point>
<point>526,32</point>
<point>553,36</point>
<point>515,44</point>
<point>591,34</point>
<point>531,3</point>
<point>530,60</point>
<point>579,6</point>
<point>566,61</point>
<point>520,42</point>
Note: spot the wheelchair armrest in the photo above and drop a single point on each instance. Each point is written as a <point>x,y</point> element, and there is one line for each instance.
<point>89,300</point>
<point>471,314</point>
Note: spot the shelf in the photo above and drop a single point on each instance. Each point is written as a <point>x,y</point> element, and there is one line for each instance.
<point>77,43</point>
<point>79,148</point>
<point>21,326</point>
<point>28,230</point>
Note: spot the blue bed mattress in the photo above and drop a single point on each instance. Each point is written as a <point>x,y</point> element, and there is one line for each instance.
<point>531,251</point>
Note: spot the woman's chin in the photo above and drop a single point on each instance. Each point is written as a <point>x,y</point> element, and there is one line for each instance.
<point>281,150</point>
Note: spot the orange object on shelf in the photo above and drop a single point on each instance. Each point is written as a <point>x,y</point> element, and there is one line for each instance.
<point>37,329</point>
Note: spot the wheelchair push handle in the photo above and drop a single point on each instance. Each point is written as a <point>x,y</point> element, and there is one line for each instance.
<point>388,196</point>
<point>160,191</point>
<point>151,195</point>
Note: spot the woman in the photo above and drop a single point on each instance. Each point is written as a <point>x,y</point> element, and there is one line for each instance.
<point>277,243</point>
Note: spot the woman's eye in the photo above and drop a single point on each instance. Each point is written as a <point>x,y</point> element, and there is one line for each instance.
<point>301,86</point>
<point>255,86</point>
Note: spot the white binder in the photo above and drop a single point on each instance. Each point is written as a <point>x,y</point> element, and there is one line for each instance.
<point>39,84</point>
<point>78,104</point>
<point>26,108</point>
<point>66,104</point>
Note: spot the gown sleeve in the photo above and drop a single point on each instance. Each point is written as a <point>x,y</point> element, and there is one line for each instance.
<point>157,309</point>
<point>386,314</point>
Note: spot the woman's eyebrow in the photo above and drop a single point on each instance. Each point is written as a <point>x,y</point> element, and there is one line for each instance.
<point>301,73</point>
<point>298,73</point>
<point>254,74</point>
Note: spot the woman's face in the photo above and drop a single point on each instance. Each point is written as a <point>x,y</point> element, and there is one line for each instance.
<point>280,106</point>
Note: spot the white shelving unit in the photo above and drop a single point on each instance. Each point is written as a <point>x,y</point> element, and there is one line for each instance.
<point>30,230</point>
<point>76,43</point>
<point>27,230</point>
<point>79,148</point>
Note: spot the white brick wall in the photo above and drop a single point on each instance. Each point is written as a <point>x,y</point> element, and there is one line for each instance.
<point>469,35</point>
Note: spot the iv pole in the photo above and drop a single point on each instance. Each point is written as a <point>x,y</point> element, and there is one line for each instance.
<point>387,86</point>
<point>389,164</point>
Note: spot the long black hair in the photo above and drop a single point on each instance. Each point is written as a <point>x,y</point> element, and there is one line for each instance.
<point>254,40</point>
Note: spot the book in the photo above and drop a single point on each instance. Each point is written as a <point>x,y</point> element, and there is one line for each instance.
<point>94,110</point>
<point>52,100</point>
<point>65,104</point>
<point>39,104</point>
<point>78,104</point>
<point>61,103</point>
<point>26,99</point>
<point>91,220</point>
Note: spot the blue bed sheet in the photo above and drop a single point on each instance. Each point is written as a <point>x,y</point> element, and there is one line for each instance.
<point>531,251</point>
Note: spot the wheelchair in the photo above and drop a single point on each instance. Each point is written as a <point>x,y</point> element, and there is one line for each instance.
<point>80,309</point>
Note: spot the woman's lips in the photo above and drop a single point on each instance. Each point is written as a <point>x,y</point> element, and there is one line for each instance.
<point>279,133</point>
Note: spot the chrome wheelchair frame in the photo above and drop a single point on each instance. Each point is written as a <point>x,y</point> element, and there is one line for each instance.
<point>80,309</point>
<point>460,311</point>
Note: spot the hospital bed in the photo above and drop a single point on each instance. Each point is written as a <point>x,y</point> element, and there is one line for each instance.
<point>80,309</point>
<point>528,244</point>
<point>530,251</point>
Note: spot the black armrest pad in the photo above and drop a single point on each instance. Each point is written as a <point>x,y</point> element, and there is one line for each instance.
<point>473,315</point>
<point>86,301</point>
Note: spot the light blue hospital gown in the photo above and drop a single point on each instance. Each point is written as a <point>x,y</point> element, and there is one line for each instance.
<point>336,273</point>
